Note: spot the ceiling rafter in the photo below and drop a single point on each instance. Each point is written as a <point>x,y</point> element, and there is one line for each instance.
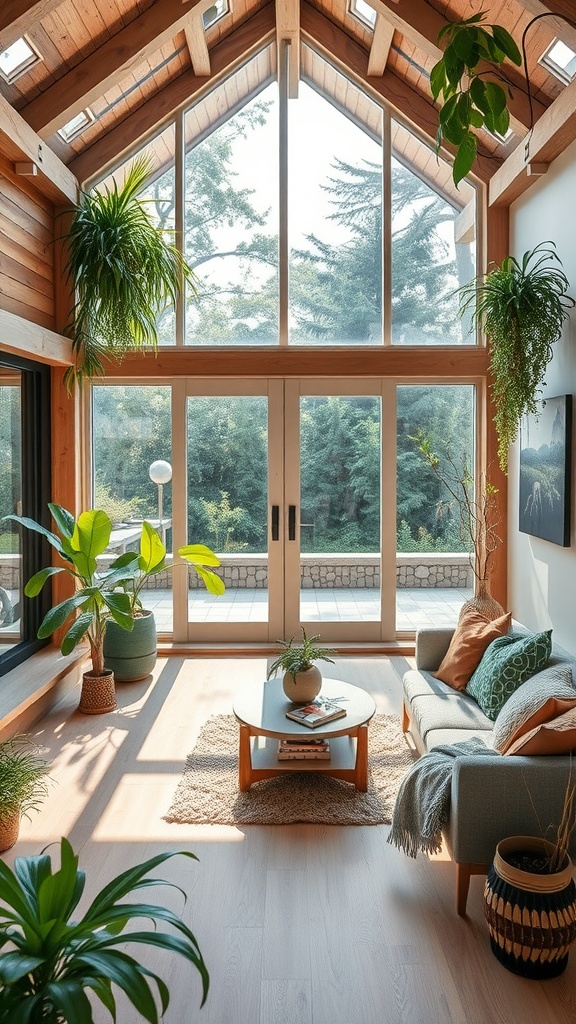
<point>348,56</point>
<point>226,57</point>
<point>288,29</point>
<point>196,38</point>
<point>19,142</point>
<point>421,23</point>
<point>107,65</point>
<point>19,16</point>
<point>563,8</point>
<point>381,43</point>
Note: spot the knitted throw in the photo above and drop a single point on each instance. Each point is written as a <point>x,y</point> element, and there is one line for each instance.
<point>422,806</point>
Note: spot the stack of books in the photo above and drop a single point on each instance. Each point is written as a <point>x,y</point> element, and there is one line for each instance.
<point>317,712</point>
<point>299,750</point>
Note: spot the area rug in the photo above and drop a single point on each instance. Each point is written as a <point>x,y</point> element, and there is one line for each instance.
<point>208,791</point>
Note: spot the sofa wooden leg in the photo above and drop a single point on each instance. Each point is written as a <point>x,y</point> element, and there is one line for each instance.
<point>463,875</point>
<point>405,718</point>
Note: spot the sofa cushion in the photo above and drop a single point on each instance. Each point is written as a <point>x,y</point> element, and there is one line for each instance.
<point>505,665</point>
<point>540,699</point>
<point>555,737</point>
<point>471,638</point>
<point>454,711</point>
<point>446,737</point>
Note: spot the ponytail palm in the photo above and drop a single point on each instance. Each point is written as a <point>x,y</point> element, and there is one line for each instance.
<point>124,271</point>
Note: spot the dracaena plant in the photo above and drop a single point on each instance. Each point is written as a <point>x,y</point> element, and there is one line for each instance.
<point>48,960</point>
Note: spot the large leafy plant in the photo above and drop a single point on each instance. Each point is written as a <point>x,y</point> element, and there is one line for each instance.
<point>48,961</point>
<point>521,306</point>
<point>124,270</point>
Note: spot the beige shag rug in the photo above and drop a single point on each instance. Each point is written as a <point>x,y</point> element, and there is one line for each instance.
<point>208,791</point>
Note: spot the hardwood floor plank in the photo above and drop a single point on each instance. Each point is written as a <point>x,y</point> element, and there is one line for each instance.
<point>286,1002</point>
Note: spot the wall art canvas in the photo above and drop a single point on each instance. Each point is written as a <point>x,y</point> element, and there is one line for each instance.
<point>545,461</point>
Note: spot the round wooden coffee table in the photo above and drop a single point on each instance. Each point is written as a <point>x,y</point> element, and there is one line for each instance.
<point>261,712</point>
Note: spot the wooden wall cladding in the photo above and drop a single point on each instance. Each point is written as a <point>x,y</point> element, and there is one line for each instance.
<point>26,249</point>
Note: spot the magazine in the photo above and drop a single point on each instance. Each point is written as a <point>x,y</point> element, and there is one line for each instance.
<point>317,712</point>
<point>314,750</point>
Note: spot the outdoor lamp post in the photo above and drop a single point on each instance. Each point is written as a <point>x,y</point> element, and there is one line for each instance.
<point>160,473</point>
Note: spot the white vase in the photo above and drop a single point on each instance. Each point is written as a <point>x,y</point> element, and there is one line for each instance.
<point>304,686</point>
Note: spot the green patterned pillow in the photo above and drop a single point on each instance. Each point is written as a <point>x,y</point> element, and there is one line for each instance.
<point>505,665</point>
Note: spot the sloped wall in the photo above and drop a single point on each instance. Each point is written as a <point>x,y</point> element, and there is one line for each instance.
<point>26,250</point>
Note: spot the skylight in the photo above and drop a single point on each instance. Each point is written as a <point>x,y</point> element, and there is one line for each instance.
<point>18,58</point>
<point>560,60</point>
<point>214,13</point>
<point>361,10</point>
<point>77,125</point>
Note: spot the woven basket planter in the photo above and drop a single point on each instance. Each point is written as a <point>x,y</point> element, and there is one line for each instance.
<point>531,916</point>
<point>98,695</point>
<point>9,830</point>
<point>131,655</point>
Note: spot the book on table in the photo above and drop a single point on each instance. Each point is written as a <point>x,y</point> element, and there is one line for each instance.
<point>317,712</point>
<point>303,750</point>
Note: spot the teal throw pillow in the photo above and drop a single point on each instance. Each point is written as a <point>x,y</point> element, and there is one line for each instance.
<point>506,663</point>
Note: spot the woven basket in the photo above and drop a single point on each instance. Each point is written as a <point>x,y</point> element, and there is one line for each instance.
<point>9,830</point>
<point>531,916</point>
<point>98,694</point>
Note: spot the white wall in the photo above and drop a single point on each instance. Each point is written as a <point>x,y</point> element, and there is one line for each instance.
<point>542,576</point>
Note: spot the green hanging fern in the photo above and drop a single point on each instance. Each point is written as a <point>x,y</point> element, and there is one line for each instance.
<point>124,273</point>
<point>521,308</point>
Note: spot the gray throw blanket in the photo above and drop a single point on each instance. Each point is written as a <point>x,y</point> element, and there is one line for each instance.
<point>423,802</point>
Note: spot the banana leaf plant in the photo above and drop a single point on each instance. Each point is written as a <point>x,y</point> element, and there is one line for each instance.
<point>48,961</point>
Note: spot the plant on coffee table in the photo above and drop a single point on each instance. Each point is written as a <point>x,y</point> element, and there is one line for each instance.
<point>302,678</point>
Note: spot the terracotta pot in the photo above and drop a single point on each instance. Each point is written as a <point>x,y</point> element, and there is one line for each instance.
<point>131,656</point>
<point>98,694</point>
<point>531,916</point>
<point>304,686</point>
<point>9,830</point>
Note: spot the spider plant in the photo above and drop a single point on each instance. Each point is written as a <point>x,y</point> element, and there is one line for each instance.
<point>521,306</point>
<point>124,271</point>
<point>23,779</point>
<point>51,960</point>
<point>300,657</point>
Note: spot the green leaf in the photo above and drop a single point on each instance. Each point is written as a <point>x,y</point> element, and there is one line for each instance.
<point>128,975</point>
<point>77,632</point>
<point>465,157</point>
<point>198,554</point>
<point>31,524</point>
<point>506,43</point>
<point>36,582</point>
<point>502,122</point>
<point>478,94</point>
<point>495,97</point>
<point>476,117</point>
<point>64,520</point>
<point>57,616</point>
<point>119,607</point>
<point>14,966</point>
<point>454,131</point>
<point>90,538</point>
<point>447,111</point>
<point>212,582</point>
<point>437,79</point>
<point>69,997</point>
<point>59,893</point>
<point>152,550</point>
<point>130,879</point>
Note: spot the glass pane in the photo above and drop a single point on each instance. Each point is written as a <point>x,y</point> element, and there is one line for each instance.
<point>433,572</point>
<point>10,504</point>
<point>132,428</point>
<point>433,245</point>
<point>231,230</point>
<point>335,226</point>
<point>227,441</point>
<point>340,508</point>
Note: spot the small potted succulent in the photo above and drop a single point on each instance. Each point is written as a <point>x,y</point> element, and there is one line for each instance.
<point>23,785</point>
<point>302,678</point>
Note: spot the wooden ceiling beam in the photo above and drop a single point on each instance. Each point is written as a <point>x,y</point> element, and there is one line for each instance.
<point>408,104</point>
<point>288,28</point>
<point>19,16</point>
<point>197,47</point>
<point>562,8</point>
<point>421,23</point>
<point>24,338</point>
<point>234,51</point>
<point>19,143</point>
<point>107,65</point>
<point>555,130</point>
<point>381,43</point>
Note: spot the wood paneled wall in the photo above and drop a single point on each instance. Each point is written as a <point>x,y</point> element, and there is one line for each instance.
<point>26,249</point>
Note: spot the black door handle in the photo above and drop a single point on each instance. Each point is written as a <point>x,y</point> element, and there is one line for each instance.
<point>275,522</point>
<point>291,522</point>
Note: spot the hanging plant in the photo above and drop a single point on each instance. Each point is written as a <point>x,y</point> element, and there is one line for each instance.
<point>124,271</point>
<point>521,307</point>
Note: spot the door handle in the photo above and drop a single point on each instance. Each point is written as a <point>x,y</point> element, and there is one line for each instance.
<point>291,522</point>
<point>275,522</point>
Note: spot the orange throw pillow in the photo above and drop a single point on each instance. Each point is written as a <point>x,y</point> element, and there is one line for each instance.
<point>472,636</point>
<point>555,737</point>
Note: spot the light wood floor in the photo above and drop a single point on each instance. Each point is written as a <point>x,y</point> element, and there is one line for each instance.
<point>299,924</point>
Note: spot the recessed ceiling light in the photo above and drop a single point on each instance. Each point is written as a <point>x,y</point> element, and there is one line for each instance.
<point>17,58</point>
<point>361,10</point>
<point>560,59</point>
<point>214,13</point>
<point>76,125</point>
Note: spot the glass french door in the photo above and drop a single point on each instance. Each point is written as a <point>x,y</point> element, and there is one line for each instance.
<point>290,483</point>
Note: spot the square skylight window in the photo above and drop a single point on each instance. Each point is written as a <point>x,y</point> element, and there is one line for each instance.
<point>18,58</point>
<point>214,13</point>
<point>77,125</point>
<point>560,59</point>
<point>361,10</point>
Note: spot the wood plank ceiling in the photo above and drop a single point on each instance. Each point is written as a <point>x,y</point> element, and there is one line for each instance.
<point>133,63</point>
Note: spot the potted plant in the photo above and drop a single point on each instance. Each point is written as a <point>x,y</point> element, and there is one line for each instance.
<point>133,657</point>
<point>530,900</point>
<point>302,680</point>
<point>52,960</point>
<point>23,784</point>
<point>124,272</point>
<point>521,307</point>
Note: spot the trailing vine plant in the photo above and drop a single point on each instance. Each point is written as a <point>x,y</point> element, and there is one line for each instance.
<point>521,307</point>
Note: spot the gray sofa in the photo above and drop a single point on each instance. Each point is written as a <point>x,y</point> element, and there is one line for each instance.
<point>491,798</point>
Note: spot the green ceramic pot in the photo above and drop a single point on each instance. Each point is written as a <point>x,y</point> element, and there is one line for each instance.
<point>132,655</point>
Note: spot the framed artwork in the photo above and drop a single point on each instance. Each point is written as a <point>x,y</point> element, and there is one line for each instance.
<point>545,461</point>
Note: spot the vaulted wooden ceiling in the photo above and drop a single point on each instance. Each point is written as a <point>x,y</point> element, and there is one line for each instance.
<point>133,63</point>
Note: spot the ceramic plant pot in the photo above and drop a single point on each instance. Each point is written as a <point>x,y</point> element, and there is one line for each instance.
<point>304,686</point>
<point>131,655</point>
<point>531,915</point>
<point>98,694</point>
